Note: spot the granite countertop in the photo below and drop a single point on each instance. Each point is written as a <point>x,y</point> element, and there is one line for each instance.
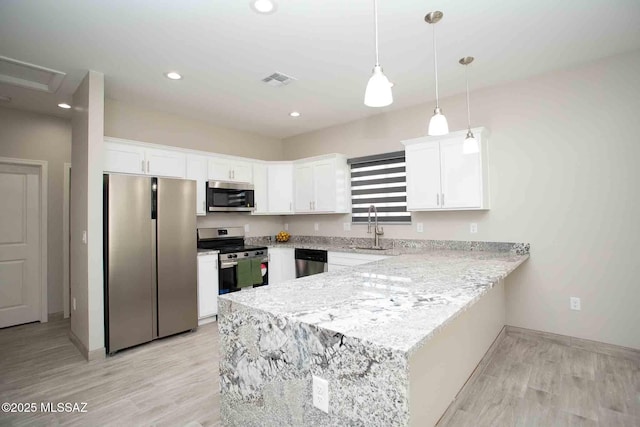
<point>397,303</point>
<point>336,248</point>
<point>207,251</point>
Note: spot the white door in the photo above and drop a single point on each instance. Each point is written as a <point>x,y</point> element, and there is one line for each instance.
<point>324,179</point>
<point>197,171</point>
<point>461,176</point>
<point>282,265</point>
<point>219,169</point>
<point>280,184</point>
<point>303,187</point>
<point>124,158</point>
<point>260,188</point>
<point>207,285</point>
<point>242,172</point>
<point>165,163</point>
<point>20,263</point>
<point>423,176</point>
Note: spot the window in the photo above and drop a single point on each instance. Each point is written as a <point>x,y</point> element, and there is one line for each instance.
<point>379,180</point>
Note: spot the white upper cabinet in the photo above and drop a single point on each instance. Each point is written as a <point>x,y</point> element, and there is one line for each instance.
<point>261,193</point>
<point>231,170</point>
<point>280,188</point>
<point>197,171</point>
<point>322,185</point>
<point>165,163</point>
<point>122,156</point>
<point>441,177</point>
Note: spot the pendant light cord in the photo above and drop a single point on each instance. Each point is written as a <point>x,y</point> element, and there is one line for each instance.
<point>435,62</point>
<point>375,20</point>
<point>466,75</point>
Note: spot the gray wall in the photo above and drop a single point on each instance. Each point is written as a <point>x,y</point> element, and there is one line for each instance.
<point>27,135</point>
<point>563,168</point>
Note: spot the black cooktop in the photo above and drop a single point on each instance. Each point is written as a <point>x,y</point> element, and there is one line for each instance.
<point>244,248</point>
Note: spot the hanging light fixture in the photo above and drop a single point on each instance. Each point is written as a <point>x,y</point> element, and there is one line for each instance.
<point>470,145</point>
<point>378,92</point>
<point>438,124</point>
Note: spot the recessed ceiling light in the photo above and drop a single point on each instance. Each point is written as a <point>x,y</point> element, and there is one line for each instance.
<point>64,105</point>
<point>4,98</point>
<point>173,75</point>
<point>294,114</point>
<point>264,7</point>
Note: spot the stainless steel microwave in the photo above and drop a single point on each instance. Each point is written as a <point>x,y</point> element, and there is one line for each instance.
<point>225,196</point>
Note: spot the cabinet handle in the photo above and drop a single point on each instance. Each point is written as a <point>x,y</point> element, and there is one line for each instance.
<point>142,165</point>
<point>204,206</point>
<point>437,199</point>
<point>443,200</point>
<point>147,166</point>
<point>233,174</point>
<point>309,205</point>
<point>314,205</point>
<point>290,206</point>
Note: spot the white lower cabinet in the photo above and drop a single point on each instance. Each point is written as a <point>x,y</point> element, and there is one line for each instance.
<point>207,285</point>
<point>342,260</point>
<point>282,264</point>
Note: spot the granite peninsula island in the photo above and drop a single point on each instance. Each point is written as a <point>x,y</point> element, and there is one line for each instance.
<point>396,339</point>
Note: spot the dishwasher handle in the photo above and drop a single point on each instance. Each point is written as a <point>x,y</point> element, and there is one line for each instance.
<point>311,255</point>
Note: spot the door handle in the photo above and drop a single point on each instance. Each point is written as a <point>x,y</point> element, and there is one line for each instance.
<point>228,264</point>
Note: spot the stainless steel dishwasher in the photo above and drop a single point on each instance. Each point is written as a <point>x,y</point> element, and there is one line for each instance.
<point>310,261</point>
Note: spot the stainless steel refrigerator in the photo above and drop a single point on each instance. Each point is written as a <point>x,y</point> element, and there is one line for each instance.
<point>150,259</point>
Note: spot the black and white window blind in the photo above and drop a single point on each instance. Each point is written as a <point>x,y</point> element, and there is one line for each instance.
<point>379,180</point>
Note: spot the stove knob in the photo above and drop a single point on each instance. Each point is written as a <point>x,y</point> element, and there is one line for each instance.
<point>229,256</point>
<point>235,255</point>
<point>246,254</point>
<point>259,253</point>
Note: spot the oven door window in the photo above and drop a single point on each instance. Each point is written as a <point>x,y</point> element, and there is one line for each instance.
<point>228,277</point>
<point>228,198</point>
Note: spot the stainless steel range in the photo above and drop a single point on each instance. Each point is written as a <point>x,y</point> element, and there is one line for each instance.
<point>240,266</point>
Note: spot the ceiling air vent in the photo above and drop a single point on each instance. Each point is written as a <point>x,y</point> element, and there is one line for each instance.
<point>23,74</point>
<point>278,79</point>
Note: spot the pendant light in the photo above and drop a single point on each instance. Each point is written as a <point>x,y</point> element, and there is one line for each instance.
<point>470,145</point>
<point>438,124</point>
<point>378,92</point>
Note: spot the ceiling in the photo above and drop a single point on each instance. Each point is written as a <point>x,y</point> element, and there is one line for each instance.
<point>223,49</point>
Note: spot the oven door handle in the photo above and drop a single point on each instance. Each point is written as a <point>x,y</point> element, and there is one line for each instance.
<point>228,264</point>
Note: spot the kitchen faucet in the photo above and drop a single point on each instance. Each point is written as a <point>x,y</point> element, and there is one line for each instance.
<point>377,231</point>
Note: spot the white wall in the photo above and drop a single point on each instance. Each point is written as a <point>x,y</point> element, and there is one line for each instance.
<point>87,320</point>
<point>27,135</point>
<point>563,170</point>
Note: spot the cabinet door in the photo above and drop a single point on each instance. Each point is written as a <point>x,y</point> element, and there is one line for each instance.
<point>461,176</point>
<point>242,172</point>
<point>124,158</point>
<point>165,163</point>
<point>423,176</point>
<point>197,171</point>
<point>281,265</point>
<point>219,169</point>
<point>303,187</point>
<point>261,192</point>
<point>324,184</point>
<point>207,285</point>
<point>280,188</point>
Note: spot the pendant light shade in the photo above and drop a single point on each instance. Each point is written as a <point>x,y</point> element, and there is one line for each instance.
<point>470,144</point>
<point>438,124</point>
<point>378,92</point>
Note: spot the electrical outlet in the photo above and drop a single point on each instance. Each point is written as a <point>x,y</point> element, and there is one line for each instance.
<point>246,228</point>
<point>316,226</point>
<point>84,237</point>
<point>286,226</point>
<point>574,303</point>
<point>346,226</point>
<point>473,227</point>
<point>74,304</point>
<point>420,227</point>
<point>321,393</point>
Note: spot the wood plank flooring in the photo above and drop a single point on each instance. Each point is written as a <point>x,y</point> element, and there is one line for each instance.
<point>169,382</point>
<point>525,381</point>
<point>542,381</point>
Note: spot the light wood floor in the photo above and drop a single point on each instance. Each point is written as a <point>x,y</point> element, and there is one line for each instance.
<point>168,382</point>
<point>538,381</point>
<point>526,381</point>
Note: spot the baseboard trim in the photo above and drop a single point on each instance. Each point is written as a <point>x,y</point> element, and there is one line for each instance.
<point>97,354</point>
<point>581,343</point>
